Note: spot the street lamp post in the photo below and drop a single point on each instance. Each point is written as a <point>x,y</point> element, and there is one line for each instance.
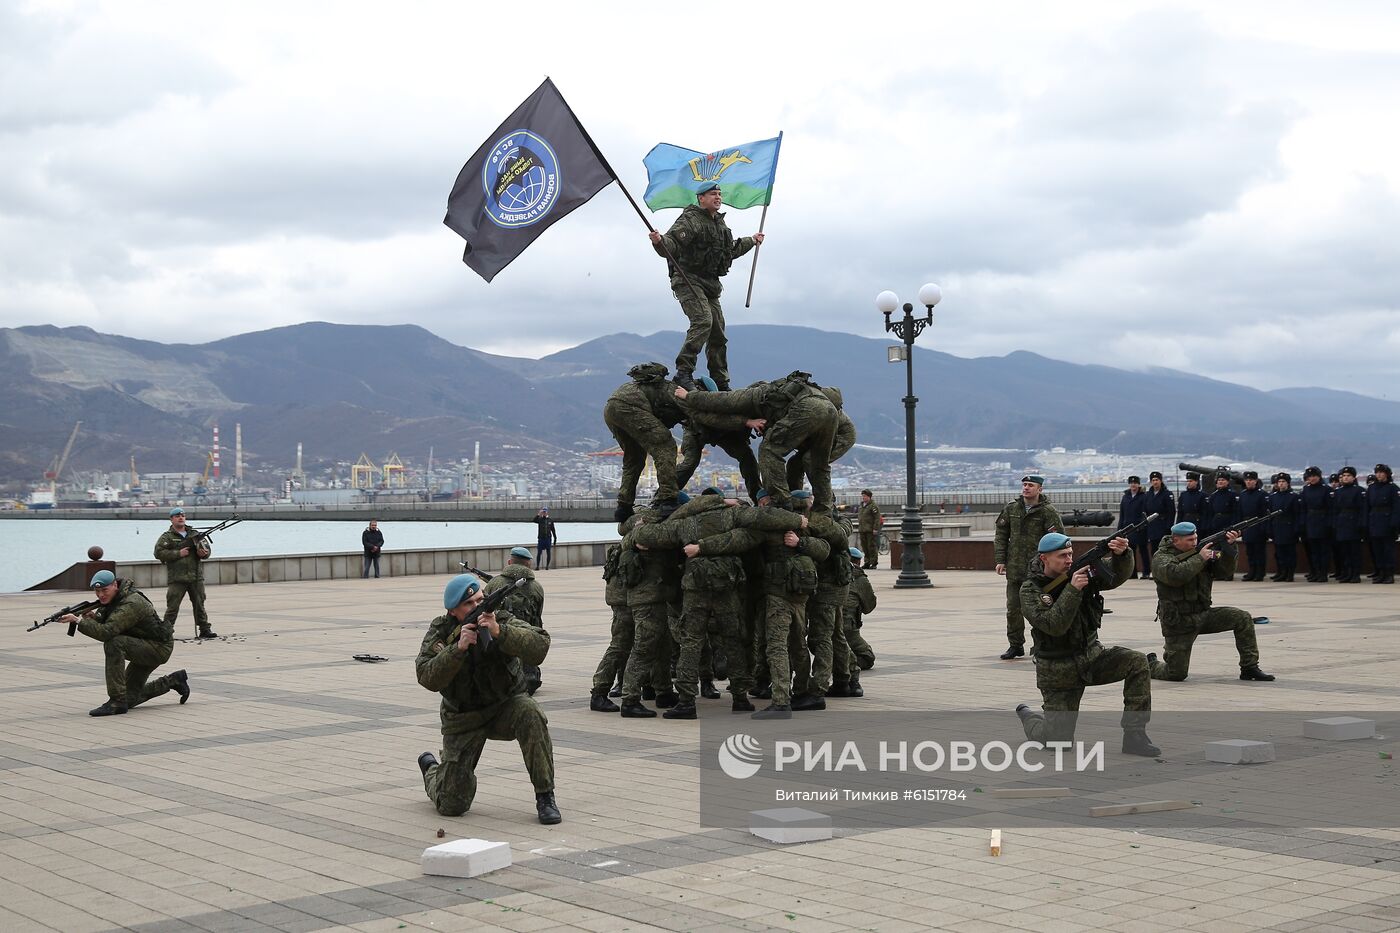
<point>911,527</point>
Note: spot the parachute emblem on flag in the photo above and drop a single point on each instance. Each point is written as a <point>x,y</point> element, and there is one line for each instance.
<point>712,166</point>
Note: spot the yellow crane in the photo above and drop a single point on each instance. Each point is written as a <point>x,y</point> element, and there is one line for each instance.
<point>56,469</point>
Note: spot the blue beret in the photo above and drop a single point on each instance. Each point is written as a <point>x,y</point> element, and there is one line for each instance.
<point>521,552</point>
<point>800,494</point>
<point>102,578</point>
<point>458,589</point>
<point>1034,478</point>
<point>1053,541</point>
<point>711,491</point>
<point>706,188</point>
<point>708,384</point>
<point>761,494</point>
<point>1184,528</point>
<point>857,553</point>
<point>176,511</point>
<point>683,497</point>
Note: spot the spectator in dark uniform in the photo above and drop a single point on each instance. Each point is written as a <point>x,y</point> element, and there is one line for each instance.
<point>1336,483</point>
<point>1191,504</point>
<point>1254,502</point>
<point>1315,508</point>
<point>1286,528</point>
<point>1348,525</point>
<point>1223,506</point>
<point>1130,512</point>
<point>1159,500</point>
<point>1383,524</point>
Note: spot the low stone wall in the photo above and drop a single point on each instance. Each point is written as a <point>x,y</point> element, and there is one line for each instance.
<point>340,565</point>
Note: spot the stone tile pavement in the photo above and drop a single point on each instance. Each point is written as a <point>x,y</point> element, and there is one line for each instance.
<point>285,795</point>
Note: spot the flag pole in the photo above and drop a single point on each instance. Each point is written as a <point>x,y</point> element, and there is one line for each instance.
<point>630,200</point>
<point>753,270</point>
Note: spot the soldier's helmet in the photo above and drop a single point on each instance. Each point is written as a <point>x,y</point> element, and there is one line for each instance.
<point>648,372</point>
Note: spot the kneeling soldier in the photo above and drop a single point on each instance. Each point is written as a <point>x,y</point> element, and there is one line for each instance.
<point>137,641</point>
<point>1184,577</point>
<point>483,697</point>
<point>1065,622</point>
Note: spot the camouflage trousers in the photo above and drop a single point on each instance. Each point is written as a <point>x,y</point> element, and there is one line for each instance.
<point>619,647</point>
<point>785,635</point>
<point>862,654</point>
<point>641,438</point>
<point>823,630</point>
<point>650,659</point>
<point>451,784</point>
<point>130,662</point>
<point>807,427</point>
<point>1062,682</point>
<point>175,592</point>
<point>870,546</point>
<point>706,332</point>
<point>1181,635</point>
<point>718,614</point>
<point>1015,622</point>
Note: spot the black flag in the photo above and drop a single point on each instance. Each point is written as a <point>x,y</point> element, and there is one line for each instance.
<point>538,166</point>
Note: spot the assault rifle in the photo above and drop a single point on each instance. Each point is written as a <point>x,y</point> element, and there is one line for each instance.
<point>194,540</point>
<point>77,610</point>
<point>480,574</point>
<point>1241,526</point>
<point>491,603</point>
<point>1096,553</point>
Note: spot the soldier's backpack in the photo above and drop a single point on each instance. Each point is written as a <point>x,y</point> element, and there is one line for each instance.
<point>610,563</point>
<point>648,372</point>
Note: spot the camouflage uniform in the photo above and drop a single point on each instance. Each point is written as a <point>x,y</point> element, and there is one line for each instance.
<point>136,641</point>
<point>183,574</point>
<point>790,578</point>
<point>824,608</point>
<point>1018,532</point>
<point>704,247</point>
<point>870,534</point>
<point>526,604</point>
<point>860,599</point>
<point>1068,655</point>
<point>842,442</point>
<point>800,418</point>
<point>640,415</point>
<point>727,432</point>
<point>483,697</point>
<point>652,578</point>
<point>620,642</point>
<point>1184,608</point>
<point>713,580</point>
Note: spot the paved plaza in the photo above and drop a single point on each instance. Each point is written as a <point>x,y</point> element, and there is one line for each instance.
<point>285,794</point>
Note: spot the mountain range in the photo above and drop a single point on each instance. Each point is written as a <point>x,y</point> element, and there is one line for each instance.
<point>343,389</point>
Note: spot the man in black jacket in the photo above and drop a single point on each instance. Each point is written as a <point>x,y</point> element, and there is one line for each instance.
<point>372,540</point>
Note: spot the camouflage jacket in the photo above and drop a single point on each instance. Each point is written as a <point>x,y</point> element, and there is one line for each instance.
<point>869,517</point>
<point>768,400</point>
<point>187,569</point>
<point>526,603</point>
<point>1018,534</point>
<point>860,596</point>
<point>834,572</point>
<point>130,613</point>
<point>654,399</point>
<point>708,519</point>
<point>704,247</point>
<point>1066,622</point>
<point>474,683</point>
<point>1184,581</point>
<point>651,575</point>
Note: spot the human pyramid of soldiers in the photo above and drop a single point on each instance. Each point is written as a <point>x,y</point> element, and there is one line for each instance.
<point>768,593</point>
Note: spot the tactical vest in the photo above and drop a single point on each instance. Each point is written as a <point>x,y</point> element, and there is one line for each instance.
<point>1082,633</point>
<point>709,251</point>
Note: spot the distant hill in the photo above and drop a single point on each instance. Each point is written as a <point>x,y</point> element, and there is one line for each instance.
<point>342,389</point>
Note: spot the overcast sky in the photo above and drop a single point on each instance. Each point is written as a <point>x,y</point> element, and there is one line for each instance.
<point>1210,187</point>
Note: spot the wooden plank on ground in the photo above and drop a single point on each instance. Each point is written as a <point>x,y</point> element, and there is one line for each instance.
<point>996,842</point>
<point>1151,806</point>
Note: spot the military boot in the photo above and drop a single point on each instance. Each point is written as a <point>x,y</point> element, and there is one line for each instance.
<point>182,685</point>
<point>807,702</point>
<point>1013,652</point>
<point>633,709</point>
<point>856,689</point>
<point>1254,673</point>
<point>426,762</point>
<point>1136,742</point>
<point>622,512</point>
<point>762,692</point>
<point>616,691</point>
<point>682,710</point>
<point>599,703</point>
<point>648,693</point>
<point>774,711</point>
<point>547,809</point>
<point>741,704</point>
<point>708,691</point>
<point>1024,712</point>
<point>839,688</point>
<point>667,699</point>
<point>110,708</point>
<point>686,380</point>
<point>206,632</point>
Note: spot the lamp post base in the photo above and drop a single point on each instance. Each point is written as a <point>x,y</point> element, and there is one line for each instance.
<point>911,537</point>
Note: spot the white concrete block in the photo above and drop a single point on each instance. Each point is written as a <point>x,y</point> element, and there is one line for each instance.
<point>787,825</point>
<point>1339,728</point>
<point>1239,751</point>
<point>466,858</point>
